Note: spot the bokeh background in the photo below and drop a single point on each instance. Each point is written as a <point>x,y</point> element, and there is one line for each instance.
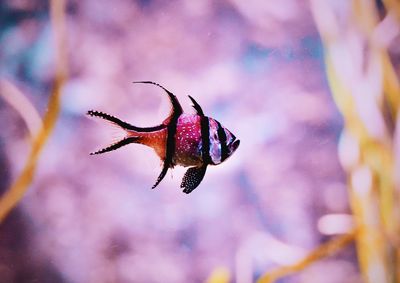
<point>256,66</point>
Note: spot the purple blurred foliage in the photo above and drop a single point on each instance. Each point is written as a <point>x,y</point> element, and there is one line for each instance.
<point>255,66</point>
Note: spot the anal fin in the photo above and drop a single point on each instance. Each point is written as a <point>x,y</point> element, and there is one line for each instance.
<point>192,178</point>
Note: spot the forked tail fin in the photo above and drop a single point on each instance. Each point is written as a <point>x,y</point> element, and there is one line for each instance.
<point>128,128</point>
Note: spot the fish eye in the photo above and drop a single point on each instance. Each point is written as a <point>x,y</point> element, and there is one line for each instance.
<point>229,137</point>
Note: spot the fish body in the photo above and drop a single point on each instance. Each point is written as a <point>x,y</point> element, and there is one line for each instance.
<point>189,140</point>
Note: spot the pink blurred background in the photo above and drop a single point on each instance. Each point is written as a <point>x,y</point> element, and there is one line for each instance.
<point>256,66</point>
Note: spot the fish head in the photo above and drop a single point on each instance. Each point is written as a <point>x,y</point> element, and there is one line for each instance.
<point>222,142</point>
<point>232,142</point>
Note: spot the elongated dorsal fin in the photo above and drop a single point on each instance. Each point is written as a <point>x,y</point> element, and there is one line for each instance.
<point>176,106</point>
<point>197,106</point>
<point>172,121</point>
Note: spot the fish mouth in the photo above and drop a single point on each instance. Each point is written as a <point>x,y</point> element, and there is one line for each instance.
<point>235,145</point>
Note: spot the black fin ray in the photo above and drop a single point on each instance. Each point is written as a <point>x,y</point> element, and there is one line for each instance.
<point>196,106</point>
<point>116,145</point>
<point>122,124</point>
<point>192,178</point>
<point>176,106</point>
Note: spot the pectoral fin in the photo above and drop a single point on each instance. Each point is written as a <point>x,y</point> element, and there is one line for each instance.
<point>192,178</point>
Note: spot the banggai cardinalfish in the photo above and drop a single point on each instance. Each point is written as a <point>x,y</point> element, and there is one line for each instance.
<point>190,140</point>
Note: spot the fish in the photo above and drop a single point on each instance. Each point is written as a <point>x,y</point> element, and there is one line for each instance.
<point>189,140</point>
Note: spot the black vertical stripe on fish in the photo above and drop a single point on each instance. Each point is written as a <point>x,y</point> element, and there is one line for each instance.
<point>205,133</point>
<point>171,131</point>
<point>205,138</point>
<point>222,141</point>
<point>170,149</point>
<point>123,124</point>
<point>117,145</point>
<point>205,141</point>
<point>193,178</point>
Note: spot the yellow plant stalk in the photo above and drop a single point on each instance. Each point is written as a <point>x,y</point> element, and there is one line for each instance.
<point>17,190</point>
<point>322,251</point>
<point>219,275</point>
<point>372,192</point>
<point>367,92</point>
<point>394,7</point>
